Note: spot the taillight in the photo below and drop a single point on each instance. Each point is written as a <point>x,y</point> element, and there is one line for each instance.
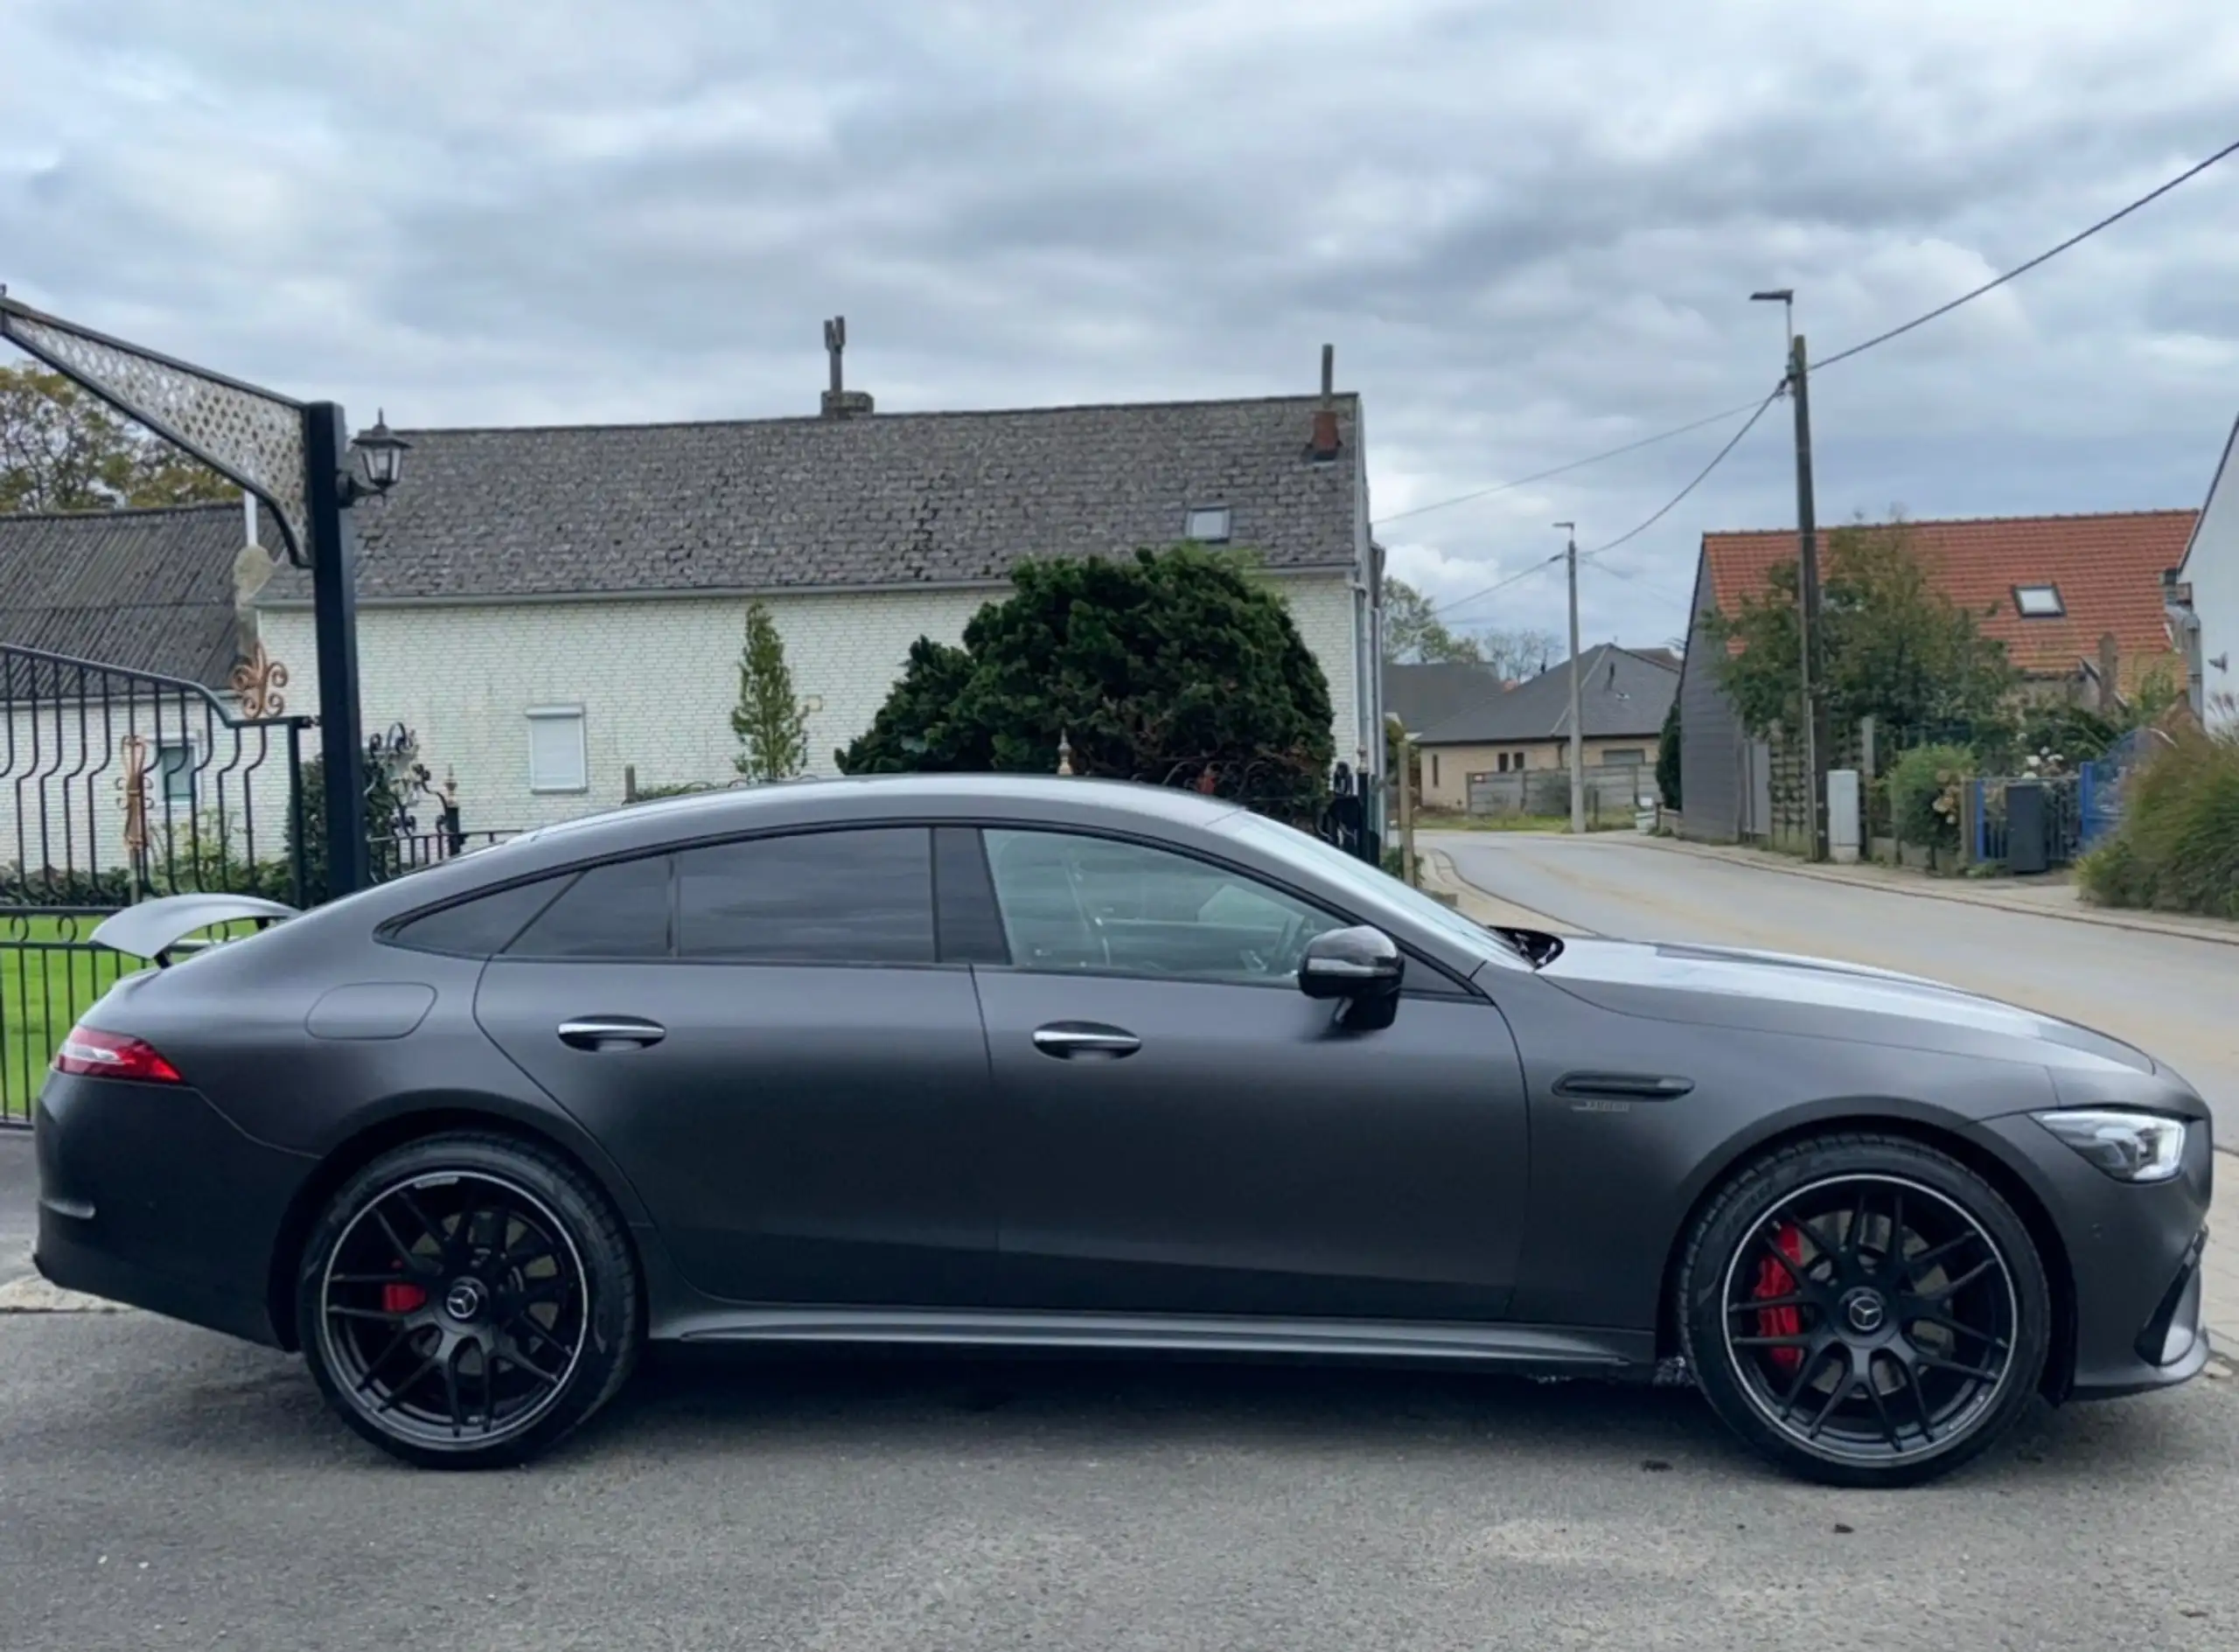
<point>90,1053</point>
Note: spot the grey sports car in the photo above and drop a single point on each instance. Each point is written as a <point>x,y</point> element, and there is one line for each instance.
<point>1009,1061</point>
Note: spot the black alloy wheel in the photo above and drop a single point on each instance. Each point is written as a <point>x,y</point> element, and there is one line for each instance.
<point>466,1301</point>
<point>1865,1310</point>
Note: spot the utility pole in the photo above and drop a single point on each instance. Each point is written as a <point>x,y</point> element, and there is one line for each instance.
<point>1577,734</point>
<point>1814,731</point>
<point>1806,530</point>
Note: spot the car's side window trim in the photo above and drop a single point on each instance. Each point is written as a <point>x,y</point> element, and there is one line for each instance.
<point>1446,983</point>
<point>967,919</point>
<point>396,931</point>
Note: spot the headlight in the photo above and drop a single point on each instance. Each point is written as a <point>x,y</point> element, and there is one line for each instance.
<point>2130,1146</point>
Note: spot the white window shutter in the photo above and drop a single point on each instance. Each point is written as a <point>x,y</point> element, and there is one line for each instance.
<point>557,758</point>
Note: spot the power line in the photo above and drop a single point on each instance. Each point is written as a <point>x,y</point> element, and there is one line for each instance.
<point>2225,153</point>
<point>1560,470</point>
<point>2147,199</point>
<point>1717,459</point>
<point>1444,608</point>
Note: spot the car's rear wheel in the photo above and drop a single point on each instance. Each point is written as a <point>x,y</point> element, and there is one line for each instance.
<point>1864,1310</point>
<point>467,1299</point>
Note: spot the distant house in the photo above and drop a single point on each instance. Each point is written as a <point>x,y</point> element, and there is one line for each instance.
<point>2206,596</point>
<point>153,602</point>
<point>550,609</point>
<point>1423,696</point>
<point>1624,695</point>
<point>145,590</point>
<point>2078,601</point>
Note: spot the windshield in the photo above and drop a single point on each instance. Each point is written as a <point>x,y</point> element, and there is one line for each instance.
<point>1372,881</point>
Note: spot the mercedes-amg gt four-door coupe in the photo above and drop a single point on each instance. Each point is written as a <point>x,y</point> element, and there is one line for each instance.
<point>1014,1061</point>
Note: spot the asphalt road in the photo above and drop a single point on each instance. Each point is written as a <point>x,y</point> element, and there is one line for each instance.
<point>2173,997</point>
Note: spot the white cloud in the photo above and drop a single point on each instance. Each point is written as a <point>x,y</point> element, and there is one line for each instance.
<point>1530,230</point>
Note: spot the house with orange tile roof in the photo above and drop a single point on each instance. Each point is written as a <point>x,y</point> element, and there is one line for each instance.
<point>2082,604</point>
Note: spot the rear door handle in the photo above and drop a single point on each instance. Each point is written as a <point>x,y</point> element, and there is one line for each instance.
<point>1626,1086</point>
<point>1066,1040</point>
<point>611,1032</point>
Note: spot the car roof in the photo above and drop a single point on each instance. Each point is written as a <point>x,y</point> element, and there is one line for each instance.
<point>736,807</point>
<point>802,805</point>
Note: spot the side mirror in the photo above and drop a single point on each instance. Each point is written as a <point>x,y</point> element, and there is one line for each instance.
<point>1353,964</point>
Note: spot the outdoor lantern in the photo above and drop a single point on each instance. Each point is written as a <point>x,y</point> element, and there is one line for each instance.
<point>380,453</point>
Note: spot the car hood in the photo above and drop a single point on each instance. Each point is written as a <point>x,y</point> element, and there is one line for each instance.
<point>1780,992</point>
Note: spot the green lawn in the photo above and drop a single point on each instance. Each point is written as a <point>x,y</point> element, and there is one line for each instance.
<point>47,977</point>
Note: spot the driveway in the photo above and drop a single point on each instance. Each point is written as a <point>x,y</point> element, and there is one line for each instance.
<point>161,1487</point>
<point>2171,995</point>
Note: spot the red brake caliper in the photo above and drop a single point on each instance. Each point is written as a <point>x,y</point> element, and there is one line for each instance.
<point>1773,1280</point>
<point>401,1298</point>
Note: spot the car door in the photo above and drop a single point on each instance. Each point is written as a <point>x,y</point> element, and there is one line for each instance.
<point>762,1034</point>
<point>1179,1129</point>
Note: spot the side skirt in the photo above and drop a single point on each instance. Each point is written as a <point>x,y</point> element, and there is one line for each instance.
<point>1537,1350</point>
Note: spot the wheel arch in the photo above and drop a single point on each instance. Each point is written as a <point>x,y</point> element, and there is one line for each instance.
<point>1950,1138</point>
<point>414,1119</point>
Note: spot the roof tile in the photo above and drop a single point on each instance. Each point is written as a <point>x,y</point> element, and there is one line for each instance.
<point>878,500</point>
<point>145,590</point>
<point>2106,567</point>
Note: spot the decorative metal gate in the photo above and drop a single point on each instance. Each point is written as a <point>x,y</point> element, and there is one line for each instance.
<point>116,785</point>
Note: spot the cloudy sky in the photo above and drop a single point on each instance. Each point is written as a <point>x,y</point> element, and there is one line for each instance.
<point>1529,229</point>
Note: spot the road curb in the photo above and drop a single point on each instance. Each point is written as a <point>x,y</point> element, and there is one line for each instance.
<point>1440,866</point>
<point>1956,896</point>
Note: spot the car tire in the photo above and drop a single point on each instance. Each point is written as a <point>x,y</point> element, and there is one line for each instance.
<point>467,1300</point>
<point>1878,1267</point>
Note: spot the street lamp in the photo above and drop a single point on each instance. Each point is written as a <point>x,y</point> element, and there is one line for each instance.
<point>380,455</point>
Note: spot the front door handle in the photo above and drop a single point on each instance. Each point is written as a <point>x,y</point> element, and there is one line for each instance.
<point>1066,1040</point>
<point>611,1032</point>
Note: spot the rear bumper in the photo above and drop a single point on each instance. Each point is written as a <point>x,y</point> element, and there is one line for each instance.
<point>2133,1258</point>
<point>149,1196</point>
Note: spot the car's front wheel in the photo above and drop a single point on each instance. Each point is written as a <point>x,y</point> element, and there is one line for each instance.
<point>467,1299</point>
<point>1864,1310</point>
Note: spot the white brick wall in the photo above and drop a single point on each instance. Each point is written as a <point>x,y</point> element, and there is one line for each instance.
<point>658,678</point>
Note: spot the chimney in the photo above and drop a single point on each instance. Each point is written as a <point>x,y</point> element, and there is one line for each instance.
<point>839,401</point>
<point>1323,448</point>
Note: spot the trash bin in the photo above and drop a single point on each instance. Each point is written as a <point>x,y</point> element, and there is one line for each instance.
<point>2028,828</point>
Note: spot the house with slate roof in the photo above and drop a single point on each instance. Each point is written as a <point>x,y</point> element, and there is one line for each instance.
<point>1421,696</point>
<point>1624,694</point>
<point>552,609</point>
<point>2080,602</point>
<point>154,591</point>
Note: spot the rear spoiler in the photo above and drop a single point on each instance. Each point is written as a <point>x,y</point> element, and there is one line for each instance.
<point>155,929</point>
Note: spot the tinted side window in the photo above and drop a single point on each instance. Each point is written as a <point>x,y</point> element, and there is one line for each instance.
<point>616,911</point>
<point>480,927</point>
<point>861,896</point>
<point>1074,902</point>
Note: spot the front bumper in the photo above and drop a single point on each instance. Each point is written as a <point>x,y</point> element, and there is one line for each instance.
<point>2133,1255</point>
<point>148,1196</point>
